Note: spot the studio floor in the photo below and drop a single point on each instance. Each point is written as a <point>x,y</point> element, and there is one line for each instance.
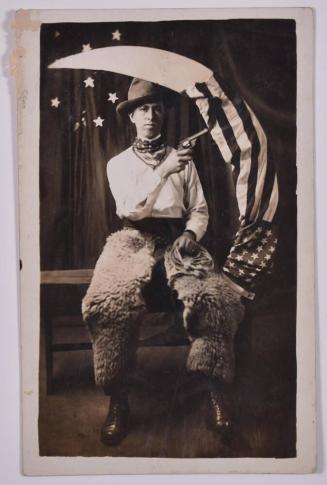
<point>167,408</point>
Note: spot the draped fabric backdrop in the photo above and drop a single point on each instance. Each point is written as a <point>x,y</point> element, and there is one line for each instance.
<point>77,211</point>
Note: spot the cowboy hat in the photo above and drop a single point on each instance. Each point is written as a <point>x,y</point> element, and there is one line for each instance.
<point>141,91</point>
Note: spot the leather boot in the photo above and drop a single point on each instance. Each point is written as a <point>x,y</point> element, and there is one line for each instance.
<point>218,418</point>
<point>115,427</point>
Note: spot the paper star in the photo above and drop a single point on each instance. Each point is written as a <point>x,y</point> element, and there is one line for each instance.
<point>255,256</point>
<point>89,82</point>
<point>267,257</point>
<point>86,47</point>
<point>260,248</point>
<point>269,233</point>
<point>239,257</point>
<point>231,264</point>
<point>241,271</point>
<point>112,97</point>
<point>271,249</point>
<point>116,35</point>
<point>76,126</point>
<point>98,121</point>
<point>55,102</point>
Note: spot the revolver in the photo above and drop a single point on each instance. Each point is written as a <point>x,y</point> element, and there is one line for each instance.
<point>187,142</point>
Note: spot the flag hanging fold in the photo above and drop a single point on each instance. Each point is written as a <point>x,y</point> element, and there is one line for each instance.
<point>243,143</point>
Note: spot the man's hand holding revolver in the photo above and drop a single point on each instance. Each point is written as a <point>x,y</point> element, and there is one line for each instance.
<point>176,161</point>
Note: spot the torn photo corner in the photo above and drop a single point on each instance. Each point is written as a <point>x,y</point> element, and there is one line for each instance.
<point>166,239</point>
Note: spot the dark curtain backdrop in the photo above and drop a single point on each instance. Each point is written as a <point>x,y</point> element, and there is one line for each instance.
<point>77,211</point>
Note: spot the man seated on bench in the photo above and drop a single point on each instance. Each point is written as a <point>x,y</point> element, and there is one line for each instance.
<point>160,199</point>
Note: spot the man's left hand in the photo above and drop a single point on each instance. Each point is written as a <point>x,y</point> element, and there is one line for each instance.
<point>186,243</point>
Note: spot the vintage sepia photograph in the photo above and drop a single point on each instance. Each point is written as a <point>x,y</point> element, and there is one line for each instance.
<point>168,236</point>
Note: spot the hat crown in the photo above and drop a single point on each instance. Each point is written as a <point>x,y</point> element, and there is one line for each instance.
<point>140,88</point>
<point>141,92</point>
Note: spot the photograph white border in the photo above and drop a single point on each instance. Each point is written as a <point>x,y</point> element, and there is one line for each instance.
<point>27,80</point>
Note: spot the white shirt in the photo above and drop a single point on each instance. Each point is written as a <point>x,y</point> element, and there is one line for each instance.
<point>140,191</point>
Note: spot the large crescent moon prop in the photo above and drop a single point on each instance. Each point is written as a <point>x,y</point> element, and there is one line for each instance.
<point>171,70</point>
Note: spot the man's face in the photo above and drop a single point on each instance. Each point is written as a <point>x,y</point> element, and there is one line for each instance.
<point>148,119</point>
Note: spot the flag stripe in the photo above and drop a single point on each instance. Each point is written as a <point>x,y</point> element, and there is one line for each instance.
<point>262,166</point>
<point>215,130</point>
<point>267,189</point>
<point>273,202</point>
<point>217,113</point>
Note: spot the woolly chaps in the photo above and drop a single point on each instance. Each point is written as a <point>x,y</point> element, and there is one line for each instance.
<point>113,306</point>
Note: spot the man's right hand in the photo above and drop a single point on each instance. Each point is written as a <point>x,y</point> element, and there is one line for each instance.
<point>176,161</point>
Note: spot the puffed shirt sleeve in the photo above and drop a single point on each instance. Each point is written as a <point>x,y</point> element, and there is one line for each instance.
<point>197,215</point>
<point>133,202</point>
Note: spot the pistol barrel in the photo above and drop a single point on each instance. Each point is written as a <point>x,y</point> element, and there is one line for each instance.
<point>187,142</point>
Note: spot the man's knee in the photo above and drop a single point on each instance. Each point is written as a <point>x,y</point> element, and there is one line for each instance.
<point>104,306</point>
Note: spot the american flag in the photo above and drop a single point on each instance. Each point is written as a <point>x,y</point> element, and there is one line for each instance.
<point>243,143</point>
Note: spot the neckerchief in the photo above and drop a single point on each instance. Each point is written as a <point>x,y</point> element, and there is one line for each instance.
<point>150,151</point>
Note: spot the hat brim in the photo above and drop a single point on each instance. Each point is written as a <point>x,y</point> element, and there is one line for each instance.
<point>128,106</point>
